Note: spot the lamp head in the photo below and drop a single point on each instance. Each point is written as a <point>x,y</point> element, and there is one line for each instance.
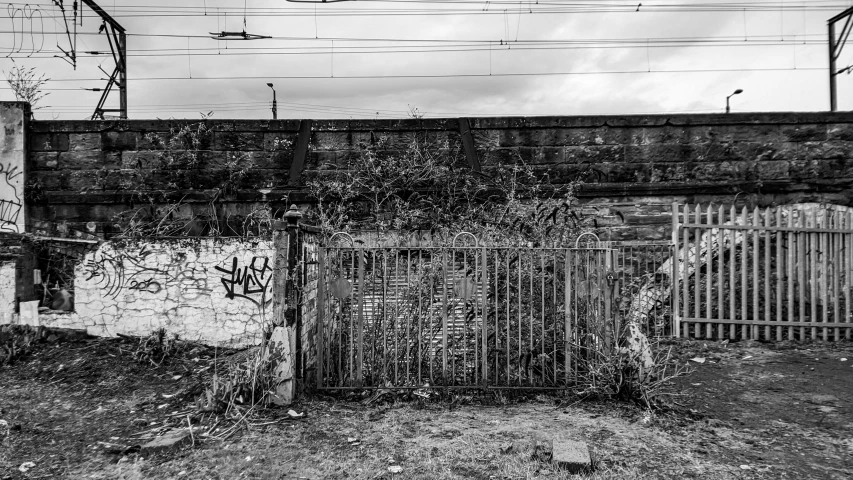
<point>269,85</point>
<point>738,91</point>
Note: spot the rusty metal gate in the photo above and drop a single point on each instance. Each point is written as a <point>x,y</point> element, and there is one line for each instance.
<point>497,317</point>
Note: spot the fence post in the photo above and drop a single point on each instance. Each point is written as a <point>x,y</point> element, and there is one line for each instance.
<point>676,260</point>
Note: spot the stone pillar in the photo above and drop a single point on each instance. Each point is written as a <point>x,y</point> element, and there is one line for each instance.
<point>282,345</point>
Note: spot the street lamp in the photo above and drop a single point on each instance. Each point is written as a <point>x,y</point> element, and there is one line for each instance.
<point>274,104</point>
<point>727,99</point>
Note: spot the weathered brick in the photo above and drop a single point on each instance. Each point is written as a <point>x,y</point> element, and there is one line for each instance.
<point>839,131</point>
<point>324,160</point>
<point>49,142</point>
<point>549,155</point>
<point>804,133</point>
<point>499,156</point>
<point>656,153</point>
<point>243,141</point>
<point>44,160</point>
<point>773,170</point>
<point>141,159</point>
<point>152,140</point>
<point>84,142</point>
<point>627,172</point>
<point>595,154</point>
<point>719,171</point>
<point>762,133</point>
<point>88,160</point>
<point>117,141</point>
<point>279,141</point>
<point>836,149</point>
<point>484,139</point>
<point>670,172</point>
<point>332,140</point>
<point>511,138</point>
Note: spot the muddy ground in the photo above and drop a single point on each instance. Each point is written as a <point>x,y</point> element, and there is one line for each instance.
<point>81,408</point>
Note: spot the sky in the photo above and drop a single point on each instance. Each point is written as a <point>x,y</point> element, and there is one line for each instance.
<point>436,58</point>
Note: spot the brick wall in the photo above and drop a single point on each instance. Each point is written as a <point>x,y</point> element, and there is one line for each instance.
<point>632,167</point>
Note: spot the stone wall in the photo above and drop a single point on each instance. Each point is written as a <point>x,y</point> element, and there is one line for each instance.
<point>217,292</point>
<point>631,168</point>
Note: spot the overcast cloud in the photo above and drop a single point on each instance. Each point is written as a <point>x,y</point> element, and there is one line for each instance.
<point>784,90</point>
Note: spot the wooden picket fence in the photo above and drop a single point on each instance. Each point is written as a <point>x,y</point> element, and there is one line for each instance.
<point>772,274</point>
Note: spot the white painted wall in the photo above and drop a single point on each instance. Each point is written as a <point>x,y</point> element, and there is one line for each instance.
<point>217,292</point>
<point>7,291</point>
<point>11,167</point>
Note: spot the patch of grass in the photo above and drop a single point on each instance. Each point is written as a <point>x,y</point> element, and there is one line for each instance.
<point>342,440</point>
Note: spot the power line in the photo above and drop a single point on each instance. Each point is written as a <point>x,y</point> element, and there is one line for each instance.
<point>458,75</point>
<point>476,8</point>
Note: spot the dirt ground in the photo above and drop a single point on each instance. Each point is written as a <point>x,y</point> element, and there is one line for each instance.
<point>80,409</point>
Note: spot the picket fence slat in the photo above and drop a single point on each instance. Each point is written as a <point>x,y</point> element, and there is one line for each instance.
<point>778,273</point>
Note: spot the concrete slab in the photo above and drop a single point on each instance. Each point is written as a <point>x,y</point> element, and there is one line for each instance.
<point>570,455</point>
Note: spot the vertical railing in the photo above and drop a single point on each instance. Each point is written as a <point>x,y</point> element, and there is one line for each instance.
<point>781,273</point>
<point>462,316</point>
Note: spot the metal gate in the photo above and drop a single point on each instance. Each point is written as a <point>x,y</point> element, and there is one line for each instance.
<point>500,317</point>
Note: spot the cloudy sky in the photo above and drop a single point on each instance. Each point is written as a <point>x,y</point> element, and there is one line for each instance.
<point>383,58</point>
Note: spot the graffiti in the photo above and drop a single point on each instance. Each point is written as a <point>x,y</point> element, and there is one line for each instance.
<point>11,203</point>
<point>252,279</point>
<point>116,272</point>
<point>149,286</point>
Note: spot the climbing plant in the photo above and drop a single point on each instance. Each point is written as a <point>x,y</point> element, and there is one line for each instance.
<point>426,185</point>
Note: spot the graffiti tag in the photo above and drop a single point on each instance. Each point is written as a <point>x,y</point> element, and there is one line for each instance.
<point>252,279</point>
<point>11,203</point>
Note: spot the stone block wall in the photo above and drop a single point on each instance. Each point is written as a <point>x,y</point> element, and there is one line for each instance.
<point>217,292</point>
<point>629,169</point>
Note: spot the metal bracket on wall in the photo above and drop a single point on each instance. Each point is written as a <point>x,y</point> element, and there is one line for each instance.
<point>468,144</point>
<point>303,140</point>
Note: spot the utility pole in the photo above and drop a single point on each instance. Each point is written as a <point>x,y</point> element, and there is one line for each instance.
<point>118,46</point>
<point>836,44</point>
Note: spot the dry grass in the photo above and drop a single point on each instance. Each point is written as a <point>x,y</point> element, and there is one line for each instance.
<point>431,443</point>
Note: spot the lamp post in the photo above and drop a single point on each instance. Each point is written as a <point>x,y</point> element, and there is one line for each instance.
<point>274,104</point>
<point>727,99</point>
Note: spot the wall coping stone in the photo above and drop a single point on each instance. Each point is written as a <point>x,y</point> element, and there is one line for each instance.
<point>441,124</point>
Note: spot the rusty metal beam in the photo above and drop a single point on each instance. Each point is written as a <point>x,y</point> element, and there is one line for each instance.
<point>303,140</point>
<point>468,144</point>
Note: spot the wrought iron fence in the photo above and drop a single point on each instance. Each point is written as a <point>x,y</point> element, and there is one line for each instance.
<point>498,317</point>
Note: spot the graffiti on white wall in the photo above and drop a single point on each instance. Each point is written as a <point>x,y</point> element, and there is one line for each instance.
<point>118,271</point>
<point>11,201</point>
<point>11,168</point>
<point>212,291</point>
<point>251,281</point>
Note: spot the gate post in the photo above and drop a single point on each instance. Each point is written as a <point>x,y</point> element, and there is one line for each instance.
<point>278,350</point>
<point>283,343</point>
